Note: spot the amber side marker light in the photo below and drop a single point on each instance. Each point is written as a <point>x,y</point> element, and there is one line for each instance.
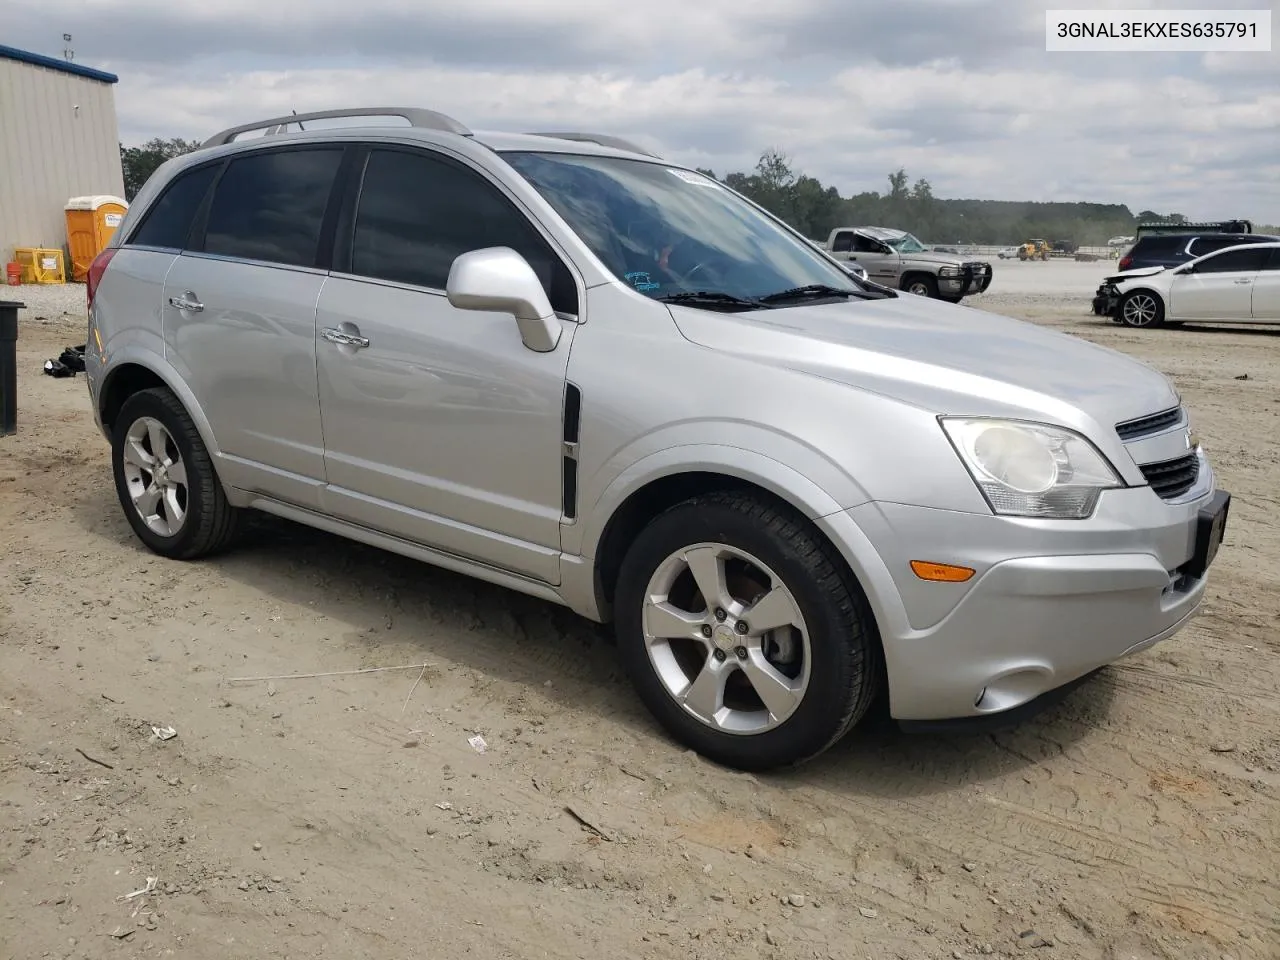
<point>940,572</point>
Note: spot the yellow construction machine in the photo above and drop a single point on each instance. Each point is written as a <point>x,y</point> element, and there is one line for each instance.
<point>1034,250</point>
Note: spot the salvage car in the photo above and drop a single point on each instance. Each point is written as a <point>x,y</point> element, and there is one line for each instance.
<point>1240,284</point>
<point>1166,250</point>
<point>894,258</point>
<point>560,364</point>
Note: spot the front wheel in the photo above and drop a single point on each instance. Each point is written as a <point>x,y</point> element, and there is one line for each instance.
<point>922,285</point>
<point>743,634</point>
<point>1142,308</point>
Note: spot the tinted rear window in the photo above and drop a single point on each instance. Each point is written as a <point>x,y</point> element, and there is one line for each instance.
<point>1159,246</point>
<point>270,206</point>
<point>168,222</point>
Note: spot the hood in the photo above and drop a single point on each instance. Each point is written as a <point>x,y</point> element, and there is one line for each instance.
<point>947,359</point>
<point>1134,274</point>
<point>931,256</point>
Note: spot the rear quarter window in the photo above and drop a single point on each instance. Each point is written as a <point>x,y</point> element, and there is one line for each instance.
<point>168,223</point>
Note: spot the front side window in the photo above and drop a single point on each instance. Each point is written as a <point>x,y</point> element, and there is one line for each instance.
<point>418,213</point>
<point>1248,260</point>
<point>270,206</point>
<point>863,244</point>
<point>665,231</point>
<point>168,222</point>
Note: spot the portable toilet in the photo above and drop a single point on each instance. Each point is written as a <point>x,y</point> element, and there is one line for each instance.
<point>90,223</point>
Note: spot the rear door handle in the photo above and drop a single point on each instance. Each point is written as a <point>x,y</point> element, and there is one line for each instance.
<point>334,335</point>
<point>187,301</point>
<point>1245,280</point>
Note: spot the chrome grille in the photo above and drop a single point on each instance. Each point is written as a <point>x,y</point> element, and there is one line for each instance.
<point>1170,479</point>
<point>1145,426</point>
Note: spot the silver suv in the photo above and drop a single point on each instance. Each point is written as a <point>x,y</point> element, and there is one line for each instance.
<point>560,364</point>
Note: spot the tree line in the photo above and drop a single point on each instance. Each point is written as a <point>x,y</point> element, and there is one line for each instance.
<point>815,209</point>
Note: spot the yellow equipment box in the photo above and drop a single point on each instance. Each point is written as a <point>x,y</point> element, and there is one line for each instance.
<point>40,265</point>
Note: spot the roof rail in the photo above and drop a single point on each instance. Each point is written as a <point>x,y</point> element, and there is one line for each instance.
<point>417,117</point>
<point>603,139</point>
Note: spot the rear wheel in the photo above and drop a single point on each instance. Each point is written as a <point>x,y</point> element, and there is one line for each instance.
<point>743,634</point>
<point>1142,308</point>
<point>165,479</point>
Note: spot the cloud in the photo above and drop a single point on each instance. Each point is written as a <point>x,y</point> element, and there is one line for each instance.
<point>961,92</point>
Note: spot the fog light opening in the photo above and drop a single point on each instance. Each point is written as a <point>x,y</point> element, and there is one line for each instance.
<point>981,694</point>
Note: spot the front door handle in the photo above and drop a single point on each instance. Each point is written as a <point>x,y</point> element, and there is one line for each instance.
<point>1245,280</point>
<point>187,301</point>
<point>340,337</point>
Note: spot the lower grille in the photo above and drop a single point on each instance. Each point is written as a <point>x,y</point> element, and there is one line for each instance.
<point>1170,479</point>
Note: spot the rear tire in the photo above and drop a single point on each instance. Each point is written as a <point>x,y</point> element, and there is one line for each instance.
<point>165,480</point>
<point>813,649</point>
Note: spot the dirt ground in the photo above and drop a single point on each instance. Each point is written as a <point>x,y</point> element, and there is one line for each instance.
<point>348,816</point>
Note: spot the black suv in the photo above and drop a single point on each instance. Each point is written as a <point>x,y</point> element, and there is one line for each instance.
<point>1169,250</point>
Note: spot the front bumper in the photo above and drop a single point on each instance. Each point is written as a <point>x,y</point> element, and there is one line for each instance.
<point>1050,602</point>
<point>1105,301</point>
<point>974,278</point>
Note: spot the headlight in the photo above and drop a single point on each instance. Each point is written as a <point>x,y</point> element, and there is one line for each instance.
<point>948,271</point>
<point>1032,469</point>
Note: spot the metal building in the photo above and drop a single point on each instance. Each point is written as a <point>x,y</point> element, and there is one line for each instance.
<point>58,139</point>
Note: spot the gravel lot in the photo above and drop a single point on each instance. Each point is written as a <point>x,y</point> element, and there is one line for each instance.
<point>347,816</point>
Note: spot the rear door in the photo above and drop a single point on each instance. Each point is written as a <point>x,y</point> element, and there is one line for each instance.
<point>1221,288</point>
<point>240,315</point>
<point>1266,290</point>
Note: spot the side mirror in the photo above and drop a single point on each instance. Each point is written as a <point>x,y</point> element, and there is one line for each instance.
<point>499,280</point>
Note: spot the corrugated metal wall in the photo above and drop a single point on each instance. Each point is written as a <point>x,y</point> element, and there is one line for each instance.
<point>58,139</point>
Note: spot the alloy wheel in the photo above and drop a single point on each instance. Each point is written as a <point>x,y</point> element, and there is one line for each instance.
<point>1140,310</point>
<point>726,638</point>
<point>156,476</point>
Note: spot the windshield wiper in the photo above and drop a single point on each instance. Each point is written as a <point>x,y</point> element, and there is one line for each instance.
<point>712,300</point>
<point>810,291</point>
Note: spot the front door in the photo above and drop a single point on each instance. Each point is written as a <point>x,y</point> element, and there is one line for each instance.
<point>881,261</point>
<point>1266,290</point>
<point>440,425</point>
<point>1220,287</point>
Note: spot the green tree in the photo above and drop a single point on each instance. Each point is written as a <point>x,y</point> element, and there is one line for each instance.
<point>138,163</point>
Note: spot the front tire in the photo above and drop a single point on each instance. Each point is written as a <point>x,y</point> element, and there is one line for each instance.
<point>743,633</point>
<point>921,284</point>
<point>1142,308</point>
<point>165,479</point>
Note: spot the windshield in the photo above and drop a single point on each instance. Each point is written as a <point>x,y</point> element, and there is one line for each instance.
<point>667,232</point>
<point>907,244</point>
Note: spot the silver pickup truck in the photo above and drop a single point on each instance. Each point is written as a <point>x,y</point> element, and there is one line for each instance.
<point>894,258</point>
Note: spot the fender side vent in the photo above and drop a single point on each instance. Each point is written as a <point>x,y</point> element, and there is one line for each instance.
<point>572,412</point>
<point>572,425</point>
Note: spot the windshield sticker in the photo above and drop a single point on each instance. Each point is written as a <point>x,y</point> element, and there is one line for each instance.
<point>640,280</point>
<point>697,179</point>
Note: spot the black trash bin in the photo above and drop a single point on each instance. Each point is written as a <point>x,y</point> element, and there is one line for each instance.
<point>9,366</point>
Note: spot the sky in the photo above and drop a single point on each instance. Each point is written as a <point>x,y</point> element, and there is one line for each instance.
<point>960,92</point>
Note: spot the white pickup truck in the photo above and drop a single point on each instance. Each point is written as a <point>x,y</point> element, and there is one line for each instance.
<point>894,258</point>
